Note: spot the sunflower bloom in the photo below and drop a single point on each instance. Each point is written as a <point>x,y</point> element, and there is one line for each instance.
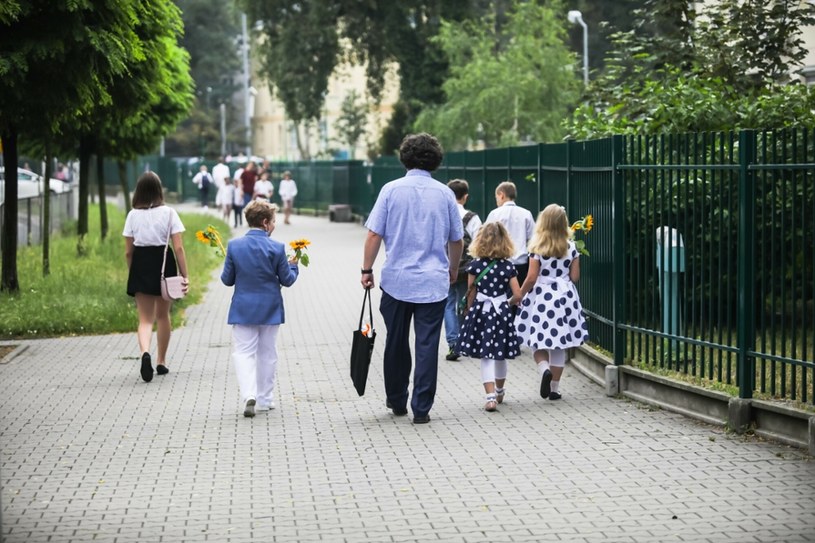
<point>299,246</point>
<point>210,236</point>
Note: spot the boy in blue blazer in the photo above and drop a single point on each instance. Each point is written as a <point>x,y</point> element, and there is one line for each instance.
<point>257,266</point>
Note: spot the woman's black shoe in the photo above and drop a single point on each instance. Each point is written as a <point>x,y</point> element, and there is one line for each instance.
<point>146,368</point>
<point>161,369</point>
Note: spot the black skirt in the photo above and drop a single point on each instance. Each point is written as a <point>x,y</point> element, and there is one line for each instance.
<point>145,270</point>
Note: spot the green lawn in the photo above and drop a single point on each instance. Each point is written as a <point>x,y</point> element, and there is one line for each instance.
<point>87,295</point>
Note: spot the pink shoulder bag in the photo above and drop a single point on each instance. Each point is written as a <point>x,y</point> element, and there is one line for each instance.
<point>172,288</point>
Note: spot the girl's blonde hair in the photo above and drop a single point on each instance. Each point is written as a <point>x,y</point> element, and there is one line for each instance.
<point>492,241</point>
<point>552,233</point>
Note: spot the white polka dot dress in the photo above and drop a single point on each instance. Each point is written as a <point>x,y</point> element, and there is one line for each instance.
<point>550,315</point>
<point>488,330</point>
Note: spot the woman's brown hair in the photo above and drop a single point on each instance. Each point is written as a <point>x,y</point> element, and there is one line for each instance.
<point>149,192</point>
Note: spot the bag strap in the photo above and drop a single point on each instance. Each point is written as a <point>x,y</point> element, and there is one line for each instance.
<point>465,220</point>
<point>366,297</point>
<point>480,276</point>
<point>166,245</point>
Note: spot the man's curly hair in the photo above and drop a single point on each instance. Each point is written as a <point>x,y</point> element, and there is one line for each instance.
<point>421,151</point>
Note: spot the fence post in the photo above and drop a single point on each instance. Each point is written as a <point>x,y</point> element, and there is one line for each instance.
<point>569,155</point>
<point>746,330</point>
<point>618,249</point>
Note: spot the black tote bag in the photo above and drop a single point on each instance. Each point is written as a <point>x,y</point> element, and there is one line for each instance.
<point>362,347</point>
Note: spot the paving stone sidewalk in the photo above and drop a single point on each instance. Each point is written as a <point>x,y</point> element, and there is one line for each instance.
<point>89,452</point>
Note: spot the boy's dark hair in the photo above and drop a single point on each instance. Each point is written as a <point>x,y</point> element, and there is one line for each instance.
<point>459,187</point>
<point>421,151</point>
<point>148,192</point>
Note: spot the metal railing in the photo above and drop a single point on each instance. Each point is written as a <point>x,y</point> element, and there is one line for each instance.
<point>29,215</point>
<point>701,259</point>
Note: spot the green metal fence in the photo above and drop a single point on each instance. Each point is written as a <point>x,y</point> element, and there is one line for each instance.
<point>701,258</point>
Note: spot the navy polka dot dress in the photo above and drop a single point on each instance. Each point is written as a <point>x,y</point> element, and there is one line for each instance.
<point>550,315</point>
<point>487,331</point>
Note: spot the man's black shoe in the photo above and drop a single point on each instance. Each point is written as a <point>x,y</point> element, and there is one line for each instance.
<point>421,419</point>
<point>396,411</point>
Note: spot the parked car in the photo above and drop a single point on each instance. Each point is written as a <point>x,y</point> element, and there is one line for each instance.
<point>30,184</point>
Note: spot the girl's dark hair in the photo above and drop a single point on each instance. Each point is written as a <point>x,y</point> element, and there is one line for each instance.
<point>421,151</point>
<point>149,192</point>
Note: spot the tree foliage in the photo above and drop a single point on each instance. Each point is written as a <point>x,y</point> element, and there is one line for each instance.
<point>211,37</point>
<point>57,59</point>
<point>728,67</point>
<point>352,121</point>
<point>303,42</point>
<point>507,83</point>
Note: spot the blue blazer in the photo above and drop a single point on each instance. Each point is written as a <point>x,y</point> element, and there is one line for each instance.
<point>257,266</point>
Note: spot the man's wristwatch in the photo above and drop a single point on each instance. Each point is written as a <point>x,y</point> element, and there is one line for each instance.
<point>364,271</point>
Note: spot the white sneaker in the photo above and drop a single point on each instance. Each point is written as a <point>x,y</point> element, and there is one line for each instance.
<point>266,407</point>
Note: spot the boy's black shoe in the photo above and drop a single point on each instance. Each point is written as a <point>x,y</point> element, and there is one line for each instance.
<point>396,411</point>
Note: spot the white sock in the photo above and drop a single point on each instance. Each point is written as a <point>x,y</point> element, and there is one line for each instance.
<point>543,366</point>
<point>487,370</point>
<point>500,369</point>
<point>555,386</point>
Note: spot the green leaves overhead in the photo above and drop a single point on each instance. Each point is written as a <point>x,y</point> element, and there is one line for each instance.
<point>507,83</point>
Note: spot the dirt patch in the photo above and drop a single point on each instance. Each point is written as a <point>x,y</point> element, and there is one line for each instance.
<point>6,350</point>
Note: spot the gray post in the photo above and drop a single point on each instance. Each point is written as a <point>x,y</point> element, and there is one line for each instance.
<point>245,59</point>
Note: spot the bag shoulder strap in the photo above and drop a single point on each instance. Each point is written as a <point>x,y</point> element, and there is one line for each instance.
<point>467,218</point>
<point>481,276</point>
<point>166,245</point>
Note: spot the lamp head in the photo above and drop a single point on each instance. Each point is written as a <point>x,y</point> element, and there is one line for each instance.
<point>575,16</point>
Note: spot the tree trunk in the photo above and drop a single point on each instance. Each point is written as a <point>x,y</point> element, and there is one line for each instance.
<point>103,208</point>
<point>302,146</point>
<point>46,211</point>
<point>9,235</point>
<point>84,181</point>
<point>122,165</point>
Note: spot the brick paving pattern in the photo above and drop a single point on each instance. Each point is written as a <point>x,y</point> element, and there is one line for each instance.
<point>89,452</point>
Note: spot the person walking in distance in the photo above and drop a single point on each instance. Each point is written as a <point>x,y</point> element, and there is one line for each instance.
<point>248,178</point>
<point>204,180</point>
<point>287,191</point>
<point>471,224</point>
<point>223,181</point>
<point>488,330</point>
<point>550,317</point>
<point>418,220</point>
<point>147,227</point>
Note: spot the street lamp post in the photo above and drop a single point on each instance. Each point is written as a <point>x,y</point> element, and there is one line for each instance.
<point>577,17</point>
<point>245,58</point>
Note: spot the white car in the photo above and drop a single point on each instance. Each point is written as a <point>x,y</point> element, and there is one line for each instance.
<point>30,184</point>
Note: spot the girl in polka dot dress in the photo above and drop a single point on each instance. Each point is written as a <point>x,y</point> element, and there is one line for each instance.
<point>550,317</point>
<point>488,331</point>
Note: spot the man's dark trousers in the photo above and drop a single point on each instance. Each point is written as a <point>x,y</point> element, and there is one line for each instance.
<point>427,329</point>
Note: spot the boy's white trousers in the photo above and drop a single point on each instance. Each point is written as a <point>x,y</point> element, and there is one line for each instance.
<point>254,352</point>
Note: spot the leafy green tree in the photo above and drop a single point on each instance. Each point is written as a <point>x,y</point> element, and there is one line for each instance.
<point>352,121</point>
<point>302,44</point>
<point>56,60</point>
<point>211,32</point>
<point>507,83</point>
<point>727,69</point>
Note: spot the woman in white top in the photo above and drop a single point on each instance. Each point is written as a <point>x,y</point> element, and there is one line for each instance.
<point>287,190</point>
<point>147,227</point>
